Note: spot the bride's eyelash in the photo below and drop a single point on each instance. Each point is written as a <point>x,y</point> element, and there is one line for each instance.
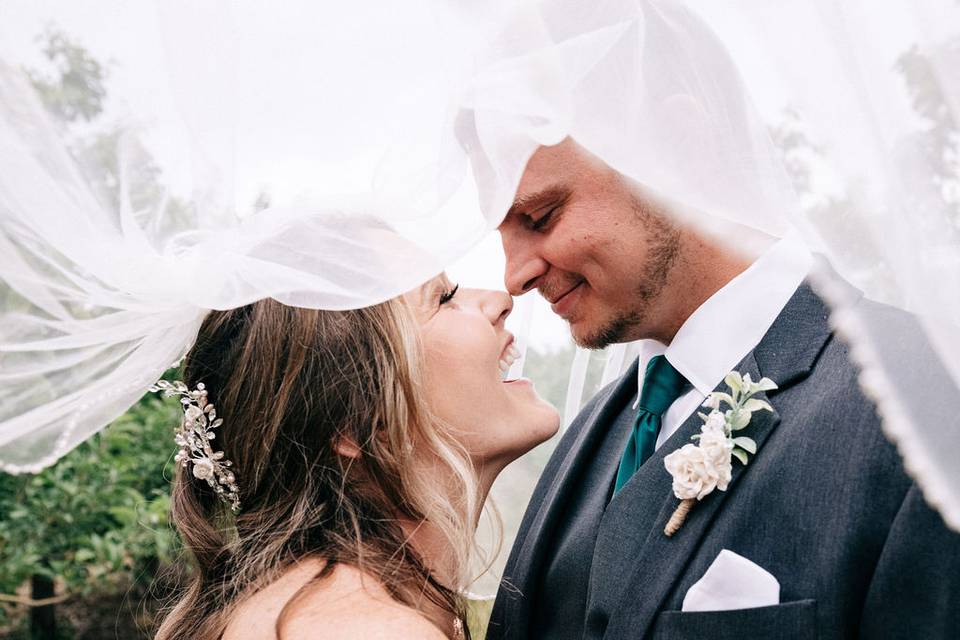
<point>447,296</point>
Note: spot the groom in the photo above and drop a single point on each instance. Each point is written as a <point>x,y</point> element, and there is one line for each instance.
<point>824,507</point>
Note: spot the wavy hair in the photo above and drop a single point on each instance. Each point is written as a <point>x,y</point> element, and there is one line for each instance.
<point>291,384</point>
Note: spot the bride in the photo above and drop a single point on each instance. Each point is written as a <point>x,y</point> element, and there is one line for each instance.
<point>335,450</point>
<point>363,444</point>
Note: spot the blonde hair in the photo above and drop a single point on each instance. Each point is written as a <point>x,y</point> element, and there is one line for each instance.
<point>291,384</point>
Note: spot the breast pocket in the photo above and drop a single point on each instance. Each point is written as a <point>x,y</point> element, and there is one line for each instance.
<point>788,621</point>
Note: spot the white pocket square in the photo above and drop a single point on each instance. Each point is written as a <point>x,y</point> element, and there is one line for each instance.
<point>732,582</point>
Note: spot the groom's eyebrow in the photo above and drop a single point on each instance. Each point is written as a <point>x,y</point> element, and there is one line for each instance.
<point>527,202</point>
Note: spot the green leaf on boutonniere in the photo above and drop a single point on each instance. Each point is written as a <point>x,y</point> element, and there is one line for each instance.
<point>747,444</point>
<point>753,404</point>
<point>740,455</point>
<point>724,397</point>
<point>739,420</point>
<point>735,381</point>
<point>766,384</point>
<point>692,479</point>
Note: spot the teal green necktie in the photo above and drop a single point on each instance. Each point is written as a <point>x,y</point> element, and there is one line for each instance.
<point>662,384</point>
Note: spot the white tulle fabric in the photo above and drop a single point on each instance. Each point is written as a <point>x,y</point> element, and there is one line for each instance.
<point>859,107</point>
<point>100,300</point>
<point>393,139</point>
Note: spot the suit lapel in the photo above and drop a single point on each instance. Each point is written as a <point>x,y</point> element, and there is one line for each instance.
<point>660,560</point>
<point>786,354</point>
<point>532,547</point>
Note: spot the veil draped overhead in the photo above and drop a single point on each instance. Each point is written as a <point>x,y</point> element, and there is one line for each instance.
<point>241,153</point>
<point>335,157</point>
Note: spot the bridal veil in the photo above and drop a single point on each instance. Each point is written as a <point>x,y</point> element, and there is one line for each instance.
<point>333,155</point>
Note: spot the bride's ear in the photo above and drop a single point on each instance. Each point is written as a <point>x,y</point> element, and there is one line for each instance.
<point>346,447</point>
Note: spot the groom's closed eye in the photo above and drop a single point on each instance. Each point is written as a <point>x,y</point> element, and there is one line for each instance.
<point>537,210</point>
<point>539,222</point>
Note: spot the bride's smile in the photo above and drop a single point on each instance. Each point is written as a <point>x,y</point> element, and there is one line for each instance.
<point>467,353</point>
<point>363,444</point>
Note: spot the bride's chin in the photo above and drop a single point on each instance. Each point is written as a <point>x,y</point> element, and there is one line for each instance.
<point>551,426</point>
<point>540,417</point>
<point>542,431</point>
<point>551,422</point>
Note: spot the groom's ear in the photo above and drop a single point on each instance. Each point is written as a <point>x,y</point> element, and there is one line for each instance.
<point>346,447</point>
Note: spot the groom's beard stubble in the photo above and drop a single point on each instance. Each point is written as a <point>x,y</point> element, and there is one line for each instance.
<point>628,324</point>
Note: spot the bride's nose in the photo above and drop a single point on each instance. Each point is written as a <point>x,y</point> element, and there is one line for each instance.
<point>496,305</point>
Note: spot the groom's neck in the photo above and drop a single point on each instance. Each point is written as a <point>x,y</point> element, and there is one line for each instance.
<point>703,267</point>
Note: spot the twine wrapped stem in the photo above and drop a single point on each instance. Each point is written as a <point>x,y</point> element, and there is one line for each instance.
<point>678,517</point>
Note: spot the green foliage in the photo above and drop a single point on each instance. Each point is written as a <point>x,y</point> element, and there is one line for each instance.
<point>940,141</point>
<point>550,371</point>
<point>838,215</point>
<point>478,614</point>
<point>76,91</point>
<point>97,521</point>
<point>100,513</point>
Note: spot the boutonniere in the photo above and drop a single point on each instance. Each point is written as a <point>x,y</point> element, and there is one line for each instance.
<point>698,469</point>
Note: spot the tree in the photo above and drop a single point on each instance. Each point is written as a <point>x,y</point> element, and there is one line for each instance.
<point>97,515</point>
<point>76,91</point>
<point>940,139</point>
<point>100,514</point>
<point>835,214</point>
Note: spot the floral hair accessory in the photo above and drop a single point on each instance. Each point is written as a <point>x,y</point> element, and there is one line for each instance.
<point>194,436</point>
<point>699,469</point>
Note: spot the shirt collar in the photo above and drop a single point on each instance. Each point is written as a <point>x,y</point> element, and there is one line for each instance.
<point>731,322</point>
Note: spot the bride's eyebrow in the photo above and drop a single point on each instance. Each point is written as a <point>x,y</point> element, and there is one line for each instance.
<point>429,292</point>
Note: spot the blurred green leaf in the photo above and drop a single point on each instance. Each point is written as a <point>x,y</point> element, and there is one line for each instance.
<point>102,509</point>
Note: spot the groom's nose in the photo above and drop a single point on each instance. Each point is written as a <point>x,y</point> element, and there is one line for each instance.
<point>524,265</point>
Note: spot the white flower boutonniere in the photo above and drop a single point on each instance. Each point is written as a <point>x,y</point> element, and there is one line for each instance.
<point>698,469</point>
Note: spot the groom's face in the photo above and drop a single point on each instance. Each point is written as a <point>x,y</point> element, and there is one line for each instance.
<point>589,241</point>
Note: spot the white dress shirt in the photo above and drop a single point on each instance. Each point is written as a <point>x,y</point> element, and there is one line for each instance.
<point>727,326</point>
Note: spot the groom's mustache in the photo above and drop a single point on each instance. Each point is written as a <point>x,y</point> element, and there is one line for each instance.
<point>555,289</point>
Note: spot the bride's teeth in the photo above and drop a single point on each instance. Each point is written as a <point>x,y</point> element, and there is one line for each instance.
<point>510,356</point>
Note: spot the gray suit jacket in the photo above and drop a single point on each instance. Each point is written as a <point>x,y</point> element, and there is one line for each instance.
<point>824,505</point>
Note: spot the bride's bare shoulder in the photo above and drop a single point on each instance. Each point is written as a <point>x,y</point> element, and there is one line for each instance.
<point>345,604</point>
<point>350,604</point>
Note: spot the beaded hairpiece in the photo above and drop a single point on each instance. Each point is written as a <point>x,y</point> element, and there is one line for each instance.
<point>194,436</point>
